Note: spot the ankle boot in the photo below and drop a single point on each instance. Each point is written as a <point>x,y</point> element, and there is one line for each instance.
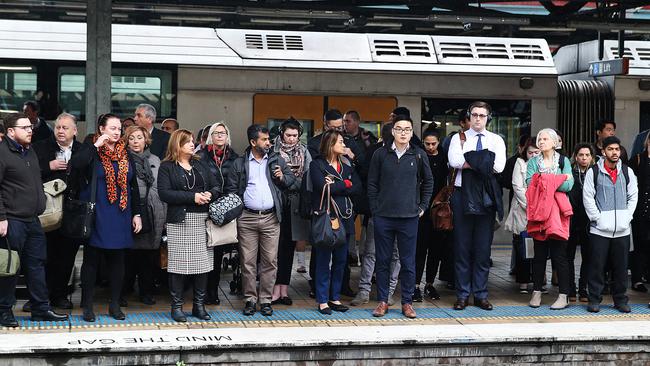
<point>560,303</point>
<point>176,292</point>
<point>536,299</point>
<point>200,293</point>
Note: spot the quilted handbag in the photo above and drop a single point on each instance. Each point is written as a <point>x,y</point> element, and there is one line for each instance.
<point>225,209</point>
<point>53,214</point>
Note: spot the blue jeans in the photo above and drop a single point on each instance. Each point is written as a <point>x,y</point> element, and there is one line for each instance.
<point>472,242</point>
<point>29,240</point>
<point>387,229</point>
<point>329,280</point>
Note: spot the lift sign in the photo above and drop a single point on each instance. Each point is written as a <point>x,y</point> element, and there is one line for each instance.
<point>619,66</point>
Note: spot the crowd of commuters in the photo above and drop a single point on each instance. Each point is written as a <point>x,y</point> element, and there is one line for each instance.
<point>148,184</point>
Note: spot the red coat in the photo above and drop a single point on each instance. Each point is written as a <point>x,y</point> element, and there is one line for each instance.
<point>548,211</point>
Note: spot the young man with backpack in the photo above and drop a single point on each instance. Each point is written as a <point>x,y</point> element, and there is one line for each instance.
<point>610,195</point>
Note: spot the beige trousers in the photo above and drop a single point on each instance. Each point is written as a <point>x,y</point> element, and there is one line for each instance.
<point>258,234</point>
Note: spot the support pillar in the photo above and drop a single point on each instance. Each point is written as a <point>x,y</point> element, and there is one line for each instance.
<point>98,61</point>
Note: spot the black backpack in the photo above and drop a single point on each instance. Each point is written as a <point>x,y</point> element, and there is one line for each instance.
<point>626,174</point>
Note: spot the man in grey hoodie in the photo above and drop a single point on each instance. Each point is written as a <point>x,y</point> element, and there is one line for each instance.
<point>610,195</point>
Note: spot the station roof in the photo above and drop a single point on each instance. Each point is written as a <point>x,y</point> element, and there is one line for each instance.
<point>559,22</point>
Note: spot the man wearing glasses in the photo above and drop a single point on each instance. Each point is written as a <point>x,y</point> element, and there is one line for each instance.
<point>473,221</point>
<point>21,201</point>
<point>400,185</point>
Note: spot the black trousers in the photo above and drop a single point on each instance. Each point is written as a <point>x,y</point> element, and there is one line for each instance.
<point>557,250</point>
<point>615,250</point>
<point>115,271</point>
<point>523,266</point>
<point>581,238</point>
<point>140,263</point>
<point>214,276</point>
<point>286,248</point>
<point>430,250</point>
<point>61,254</point>
<point>640,257</point>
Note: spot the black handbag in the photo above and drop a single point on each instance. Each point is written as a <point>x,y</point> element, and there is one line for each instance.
<point>79,216</point>
<point>327,232</point>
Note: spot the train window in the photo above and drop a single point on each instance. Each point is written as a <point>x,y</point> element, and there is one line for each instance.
<point>511,118</point>
<point>18,84</point>
<point>129,87</point>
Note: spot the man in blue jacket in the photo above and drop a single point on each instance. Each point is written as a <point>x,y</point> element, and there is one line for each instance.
<point>400,185</point>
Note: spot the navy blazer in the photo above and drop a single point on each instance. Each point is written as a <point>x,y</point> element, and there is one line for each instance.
<point>159,141</point>
<point>481,191</point>
<point>318,170</point>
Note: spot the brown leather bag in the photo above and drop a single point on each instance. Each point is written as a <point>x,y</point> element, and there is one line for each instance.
<point>163,256</point>
<point>441,215</point>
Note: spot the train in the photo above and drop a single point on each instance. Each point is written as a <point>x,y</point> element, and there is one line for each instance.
<point>243,76</point>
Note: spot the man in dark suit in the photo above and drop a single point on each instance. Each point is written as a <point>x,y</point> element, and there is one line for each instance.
<point>145,116</point>
<point>53,157</point>
<point>41,131</point>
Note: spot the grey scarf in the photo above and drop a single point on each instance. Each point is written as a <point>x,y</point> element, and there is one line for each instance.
<point>142,166</point>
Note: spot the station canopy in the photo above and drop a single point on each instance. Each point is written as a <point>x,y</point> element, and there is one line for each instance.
<point>559,22</point>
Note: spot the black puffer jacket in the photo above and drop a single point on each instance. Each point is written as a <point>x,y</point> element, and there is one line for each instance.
<point>579,220</point>
<point>221,173</point>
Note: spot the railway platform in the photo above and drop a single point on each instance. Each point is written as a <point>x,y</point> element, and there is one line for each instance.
<point>512,333</point>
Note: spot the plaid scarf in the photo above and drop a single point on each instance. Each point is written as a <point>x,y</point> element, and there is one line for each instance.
<point>107,157</point>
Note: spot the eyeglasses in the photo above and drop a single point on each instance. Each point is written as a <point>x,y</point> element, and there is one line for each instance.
<point>25,128</point>
<point>402,130</point>
<point>220,134</point>
<point>481,116</point>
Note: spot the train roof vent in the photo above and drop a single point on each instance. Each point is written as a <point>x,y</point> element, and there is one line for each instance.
<point>492,51</point>
<point>637,51</point>
<point>401,48</point>
<point>296,46</point>
<point>273,42</point>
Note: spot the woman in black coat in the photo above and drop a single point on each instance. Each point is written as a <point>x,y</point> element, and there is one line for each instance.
<point>640,259</point>
<point>329,169</point>
<point>188,187</point>
<point>219,156</point>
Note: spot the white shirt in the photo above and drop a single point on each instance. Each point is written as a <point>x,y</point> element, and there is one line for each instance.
<point>66,151</point>
<point>399,153</point>
<point>489,140</point>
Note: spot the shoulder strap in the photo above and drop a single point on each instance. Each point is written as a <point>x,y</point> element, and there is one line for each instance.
<point>463,138</point>
<point>93,184</point>
<point>626,174</point>
<point>561,162</point>
<point>594,169</point>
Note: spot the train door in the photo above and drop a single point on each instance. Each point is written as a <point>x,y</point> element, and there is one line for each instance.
<point>272,109</point>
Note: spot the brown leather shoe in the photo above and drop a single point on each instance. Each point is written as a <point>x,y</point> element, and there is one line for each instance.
<point>483,304</point>
<point>408,311</point>
<point>380,310</point>
<point>460,304</point>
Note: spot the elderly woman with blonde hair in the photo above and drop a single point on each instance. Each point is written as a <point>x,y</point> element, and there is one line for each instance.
<point>219,156</point>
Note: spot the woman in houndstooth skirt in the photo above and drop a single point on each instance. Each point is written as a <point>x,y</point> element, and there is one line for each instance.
<point>187,187</point>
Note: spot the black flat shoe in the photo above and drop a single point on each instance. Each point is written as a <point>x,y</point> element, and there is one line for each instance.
<point>338,307</point>
<point>8,320</point>
<point>116,314</point>
<point>49,316</point>
<point>88,315</point>
<point>147,300</point>
<point>417,295</point>
<point>324,311</point>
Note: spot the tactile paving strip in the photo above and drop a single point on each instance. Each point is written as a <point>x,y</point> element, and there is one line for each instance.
<point>296,316</point>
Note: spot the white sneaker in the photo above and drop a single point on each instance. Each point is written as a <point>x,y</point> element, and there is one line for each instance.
<point>561,302</point>
<point>536,299</point>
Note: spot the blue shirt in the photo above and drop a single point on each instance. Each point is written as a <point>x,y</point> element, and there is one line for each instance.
<point>258,191</point>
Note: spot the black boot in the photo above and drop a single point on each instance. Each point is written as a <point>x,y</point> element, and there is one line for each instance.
<point>200,293</point>
<point>176,292</point>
